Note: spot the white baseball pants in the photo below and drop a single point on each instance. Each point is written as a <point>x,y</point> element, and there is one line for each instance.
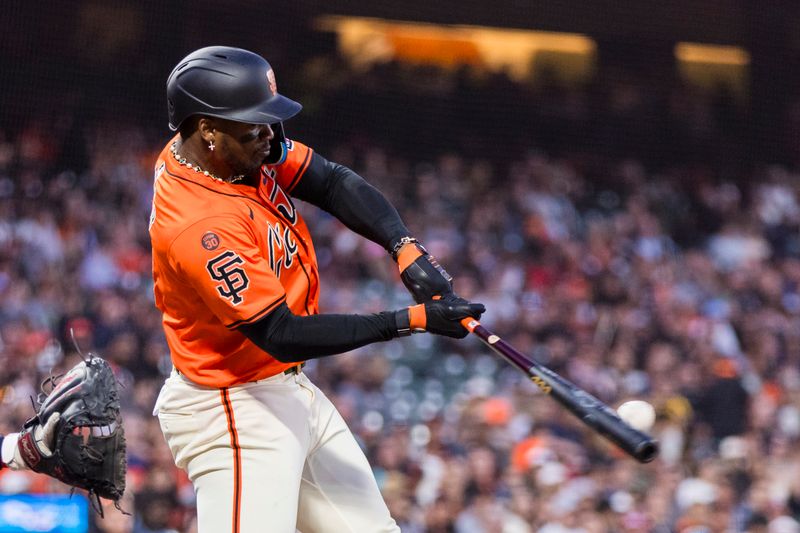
<point>270,456</point>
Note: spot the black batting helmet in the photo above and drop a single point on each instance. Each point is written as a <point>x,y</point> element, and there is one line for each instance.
<point>226,82</point>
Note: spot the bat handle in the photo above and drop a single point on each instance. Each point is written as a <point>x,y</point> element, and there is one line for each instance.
<point>470,323</point>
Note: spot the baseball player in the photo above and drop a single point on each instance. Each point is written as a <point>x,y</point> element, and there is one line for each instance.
<point>237,283</point>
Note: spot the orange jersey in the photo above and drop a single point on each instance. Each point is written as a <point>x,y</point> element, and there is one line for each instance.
<point>225,255</point>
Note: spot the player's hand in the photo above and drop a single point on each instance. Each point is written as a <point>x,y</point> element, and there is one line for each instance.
<point>422,274</point>
<point>43,443</point>
<point>443,316</point>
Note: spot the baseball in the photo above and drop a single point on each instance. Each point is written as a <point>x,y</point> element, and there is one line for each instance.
<point>638,414</point>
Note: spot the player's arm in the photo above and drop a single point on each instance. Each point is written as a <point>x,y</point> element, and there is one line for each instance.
<point>365,210</point>
<point>293,338</point>
<point>220,258</point>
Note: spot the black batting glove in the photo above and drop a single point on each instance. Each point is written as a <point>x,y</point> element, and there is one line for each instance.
<point>442,317</point>
<point>420,272</point>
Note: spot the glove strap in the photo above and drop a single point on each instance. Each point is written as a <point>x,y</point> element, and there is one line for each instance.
<point>417,318</point>
<point>408,255</point>
<point>28,450</point>
<point>402,322</point>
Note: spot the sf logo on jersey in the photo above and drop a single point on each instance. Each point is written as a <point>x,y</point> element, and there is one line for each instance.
<point>282,247</point>
<point>232,278</point>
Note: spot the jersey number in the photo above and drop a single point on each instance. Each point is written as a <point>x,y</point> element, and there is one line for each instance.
<point>232,278</point>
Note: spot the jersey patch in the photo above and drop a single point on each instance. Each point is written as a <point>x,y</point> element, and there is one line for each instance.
<point>210,240</point>
<point>232,278</point>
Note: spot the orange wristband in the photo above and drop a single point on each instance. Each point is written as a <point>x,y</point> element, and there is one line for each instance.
<point>407,255</point>
<point>417,319</point>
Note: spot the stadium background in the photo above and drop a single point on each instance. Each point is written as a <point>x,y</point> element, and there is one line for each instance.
<point>622,196</point>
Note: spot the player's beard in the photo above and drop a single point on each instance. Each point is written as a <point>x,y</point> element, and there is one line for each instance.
<point>244,168</point>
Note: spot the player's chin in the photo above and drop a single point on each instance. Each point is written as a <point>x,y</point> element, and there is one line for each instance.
<point>255,163</point>
<point>261,156</point>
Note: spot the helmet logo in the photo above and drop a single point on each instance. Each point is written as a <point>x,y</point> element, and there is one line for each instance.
<point>273,86</point>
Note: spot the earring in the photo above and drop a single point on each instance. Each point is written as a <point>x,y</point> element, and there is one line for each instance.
<point>211,146</point>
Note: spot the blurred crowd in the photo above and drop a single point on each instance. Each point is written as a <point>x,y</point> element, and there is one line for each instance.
<point>678,284</point>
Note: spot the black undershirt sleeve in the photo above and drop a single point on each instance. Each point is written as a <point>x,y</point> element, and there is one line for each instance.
<point>292,338</point>
<point>362,208</point>
<point>347,196</point>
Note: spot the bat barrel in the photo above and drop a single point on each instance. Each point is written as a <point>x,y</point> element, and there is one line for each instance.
<point>595,414</point>
<point>591,411</point>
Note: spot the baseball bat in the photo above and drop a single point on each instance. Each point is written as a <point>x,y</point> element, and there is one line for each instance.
<point>591,411</point>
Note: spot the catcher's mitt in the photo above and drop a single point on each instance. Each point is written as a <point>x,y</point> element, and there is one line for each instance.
<point>87,448</point>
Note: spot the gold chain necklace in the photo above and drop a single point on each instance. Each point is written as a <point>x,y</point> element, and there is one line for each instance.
<point>183,162</point>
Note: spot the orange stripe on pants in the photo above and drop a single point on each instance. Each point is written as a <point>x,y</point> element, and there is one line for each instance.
<point>237,460</point>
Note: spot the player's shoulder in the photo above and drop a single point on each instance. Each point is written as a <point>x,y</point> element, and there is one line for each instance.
<point>293,163</point>
<point>293,153</point>
<point>206,234</point>
<point>178,216</point>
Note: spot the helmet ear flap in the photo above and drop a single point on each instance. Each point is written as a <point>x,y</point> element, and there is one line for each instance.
<point>277,145</point>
